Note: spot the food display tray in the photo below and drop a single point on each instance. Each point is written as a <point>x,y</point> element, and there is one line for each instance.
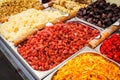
<point>36,74</point>
<point>27,70</point>
<point>85,49</point>
<point>98,47</point>
<point>107,1</point>
<point>117,31</point>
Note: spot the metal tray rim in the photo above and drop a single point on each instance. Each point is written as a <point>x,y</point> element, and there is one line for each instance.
<point>85,49</point>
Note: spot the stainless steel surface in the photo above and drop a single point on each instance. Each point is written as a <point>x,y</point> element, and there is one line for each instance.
<point>12,51</point>
<point>37,74</point>
<point>24,69</point>
<point>31,73</point>
<point>98,48</point>
<point>85,49</point>
<point>79,52</point>
<point>14,61</point>
<point>7,71</point>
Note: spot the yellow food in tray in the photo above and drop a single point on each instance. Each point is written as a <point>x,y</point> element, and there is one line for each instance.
<point>68,6</point>
<point>21,25</point>
<point>11,7</point>
<point>88,66</point>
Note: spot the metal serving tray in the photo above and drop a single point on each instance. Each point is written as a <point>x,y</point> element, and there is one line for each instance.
<point>116,32</point>
<point>94,24</point>
<point>85,49</point>
<point>37,75</point>
<point>15,55</point>
<point>98,48</point>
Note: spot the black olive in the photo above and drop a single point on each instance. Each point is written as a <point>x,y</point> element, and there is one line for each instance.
<point>101,4</point>
<point>94,20</point>
<point>109,15</point>
<point>80,13</point>
<point>116,10</point>
<point>109,23</point>
<point>97,16</point>
<point>103,26</point>
<point>82,18</point>
<point>90,20</point>
<point>99,23</point>
<point>113,19</point>
<point>88,11</point>
<point>100,13</point>
<point>104,15</point>
<point>84,12</point>
<point>91,13</point>
<point>113,5</point>
<point>81,9</point>
<point>107,4</point>
<point>85,17</point>
<point>108,8</point>
<point>89,7</point>
<point>106,20</point>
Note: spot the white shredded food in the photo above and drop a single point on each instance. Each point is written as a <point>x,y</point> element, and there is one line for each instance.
<point>23,23</point>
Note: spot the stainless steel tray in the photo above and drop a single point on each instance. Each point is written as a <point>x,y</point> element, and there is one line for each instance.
<point>85,49</point>
<point>12,49</point>
<point>98,48</point>
<point>36,74</point>
<point>96,25</point>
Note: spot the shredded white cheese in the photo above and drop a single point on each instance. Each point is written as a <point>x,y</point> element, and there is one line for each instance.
<point>23,23</point>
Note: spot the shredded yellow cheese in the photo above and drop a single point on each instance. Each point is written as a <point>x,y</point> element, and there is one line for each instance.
<point>88,66</point>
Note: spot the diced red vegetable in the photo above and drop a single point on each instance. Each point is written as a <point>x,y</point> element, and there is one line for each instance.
<point>111,47</point>
<point>50,46</point>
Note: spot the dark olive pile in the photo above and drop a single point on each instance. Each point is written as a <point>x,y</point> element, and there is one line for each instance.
<point>100,13</point>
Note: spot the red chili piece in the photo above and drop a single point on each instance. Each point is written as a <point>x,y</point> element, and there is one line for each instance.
<point>50,46</point>
<point>111,47</point>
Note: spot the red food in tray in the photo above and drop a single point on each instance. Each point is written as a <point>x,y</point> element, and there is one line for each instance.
<point>52,45</point>
<point>111,47</point>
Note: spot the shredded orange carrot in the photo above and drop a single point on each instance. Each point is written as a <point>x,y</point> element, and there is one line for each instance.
<point>88,66</point>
